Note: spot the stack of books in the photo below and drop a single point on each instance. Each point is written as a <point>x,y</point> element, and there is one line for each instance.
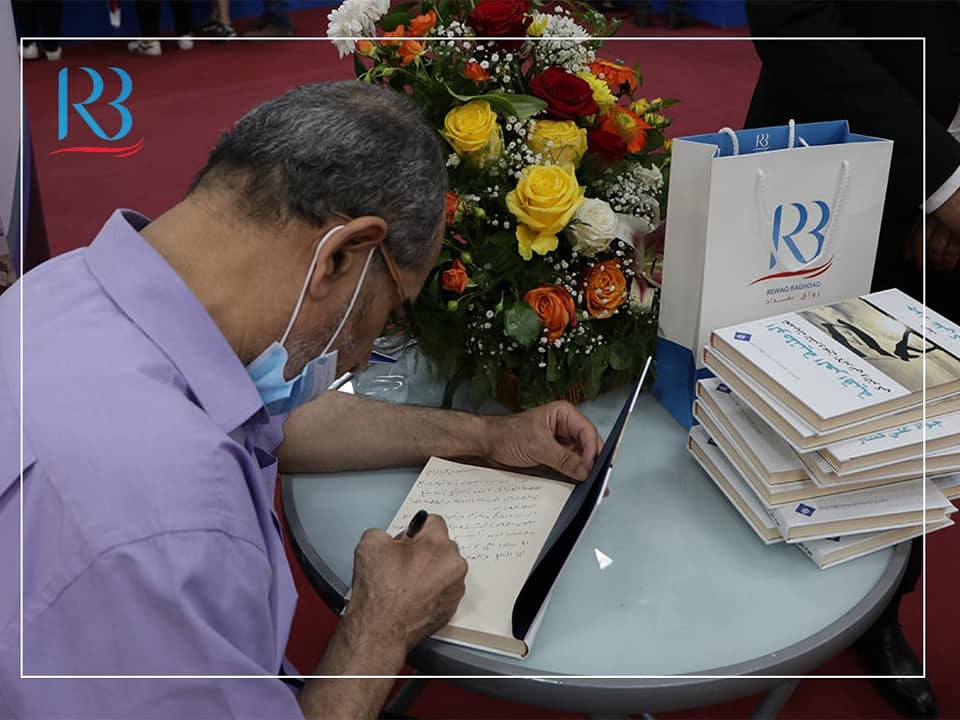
<point>815,426</point>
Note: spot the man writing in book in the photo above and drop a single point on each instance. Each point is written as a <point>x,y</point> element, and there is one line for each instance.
<point>170,366</point>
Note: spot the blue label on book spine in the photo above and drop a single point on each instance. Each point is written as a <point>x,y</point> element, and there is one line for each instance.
<point>742,336</point>
<point>805,510</point>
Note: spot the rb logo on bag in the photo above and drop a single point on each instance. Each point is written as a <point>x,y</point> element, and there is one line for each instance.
<point>797,237</point>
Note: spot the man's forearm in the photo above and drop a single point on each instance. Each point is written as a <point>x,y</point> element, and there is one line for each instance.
<point>339,431</point>
<point>349,653</point>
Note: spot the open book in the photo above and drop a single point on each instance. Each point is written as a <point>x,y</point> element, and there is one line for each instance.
<point>515,531</point>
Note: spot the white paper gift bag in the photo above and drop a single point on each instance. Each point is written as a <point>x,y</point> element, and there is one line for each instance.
<point>761,222</point>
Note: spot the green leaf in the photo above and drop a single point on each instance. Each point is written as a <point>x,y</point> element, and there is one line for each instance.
<point>394,20</point>
<point>521,106</point>
<point>445,9</point>
<point>522,323</point>
<point>620,356</point>
<point>553,372</point>
<point>480,388</point>
<point>654,141</point>
<point>594,379</point>
<point>668,102</point>
<point>358,66</point>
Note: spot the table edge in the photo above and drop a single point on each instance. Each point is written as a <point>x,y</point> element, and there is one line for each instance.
<point>795,659</point>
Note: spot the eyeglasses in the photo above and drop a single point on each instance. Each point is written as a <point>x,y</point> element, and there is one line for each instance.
<point>410,316</point>
<point>413,327</point>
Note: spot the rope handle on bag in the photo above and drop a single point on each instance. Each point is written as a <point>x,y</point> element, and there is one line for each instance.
<point>788,260</point>
<point>792,137</point>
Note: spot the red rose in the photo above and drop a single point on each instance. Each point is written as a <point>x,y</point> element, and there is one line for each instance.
<point>568,97</point>
<point>501,18</point>
<point>607,145</point>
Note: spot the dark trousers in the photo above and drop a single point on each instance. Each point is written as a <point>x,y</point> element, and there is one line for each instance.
<point>39,17</point>
<point>275,12</point>
<point>148,13</point>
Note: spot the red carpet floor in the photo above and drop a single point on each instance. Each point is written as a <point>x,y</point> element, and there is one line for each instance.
<point>183,100</point>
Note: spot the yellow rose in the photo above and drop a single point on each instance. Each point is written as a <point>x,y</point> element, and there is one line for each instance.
<point>473,132</point>
<point>601,91</point>
<point>545,199</point>
<point>560,141</point>
<point>655,120</point>
<point>538,25</point>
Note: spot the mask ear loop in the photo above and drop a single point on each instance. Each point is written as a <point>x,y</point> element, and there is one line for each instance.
<point>353,300</point>
<point>306,282</point>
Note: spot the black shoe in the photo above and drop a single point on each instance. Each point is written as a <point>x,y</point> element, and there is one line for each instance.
<point>885,651</point>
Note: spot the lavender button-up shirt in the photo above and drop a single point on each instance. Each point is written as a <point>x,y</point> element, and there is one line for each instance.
<point>150,546</point>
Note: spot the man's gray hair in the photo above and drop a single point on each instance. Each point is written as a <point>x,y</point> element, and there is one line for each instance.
<point>338,147</point>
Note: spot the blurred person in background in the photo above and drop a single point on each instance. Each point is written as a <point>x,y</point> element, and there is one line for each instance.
<point>148,13</point>
<point>219,24</point>
<point>274,22</point>
<point>38,18</point>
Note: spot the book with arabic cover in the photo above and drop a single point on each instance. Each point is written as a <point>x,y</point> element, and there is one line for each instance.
<point>725,476</point>
<point>893,506</point>
<point>828,552</point>
<point>771,494</point>
<point>802,436</point>
<point>949,485</point>
<point>898,443</point>
<point>937,463</point>
<point>850,361</point>
<point>769,453</point>
<point>516,532</point>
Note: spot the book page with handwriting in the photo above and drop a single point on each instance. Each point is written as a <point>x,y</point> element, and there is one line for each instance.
<point>500,520</point>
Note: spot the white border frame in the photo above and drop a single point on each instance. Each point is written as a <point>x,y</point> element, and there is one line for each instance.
<point>548,678</point>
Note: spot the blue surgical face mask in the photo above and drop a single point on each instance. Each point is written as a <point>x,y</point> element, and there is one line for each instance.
<point>279,395</point>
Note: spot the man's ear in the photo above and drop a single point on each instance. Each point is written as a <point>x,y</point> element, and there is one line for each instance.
<point>345,253</point>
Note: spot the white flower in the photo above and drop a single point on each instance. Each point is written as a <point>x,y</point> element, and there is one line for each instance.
<point>353,19</point>
<point>596,227</point>
<point>641,295</point>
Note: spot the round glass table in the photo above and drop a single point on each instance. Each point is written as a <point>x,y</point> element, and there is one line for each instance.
<point>691,591</point>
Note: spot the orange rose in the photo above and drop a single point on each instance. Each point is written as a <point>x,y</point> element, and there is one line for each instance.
<point>410,50</point>
<point>422,24</point>
<point>615,75</point>
<point>451,210</point>
<point>365,47</point>
<point>398,32</point>
<point>474,71</point>
<point>554,306</point>
<point>455,278</point>
<point>628,125</point>
<point>606,289</point>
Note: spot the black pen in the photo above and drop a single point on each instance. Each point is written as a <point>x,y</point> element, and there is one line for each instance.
<point>416,523</point>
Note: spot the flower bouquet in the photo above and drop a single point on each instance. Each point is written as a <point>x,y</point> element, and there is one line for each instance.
<point>547,283</point>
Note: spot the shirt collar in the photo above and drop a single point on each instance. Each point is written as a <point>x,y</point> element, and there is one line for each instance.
<point>156,299</point>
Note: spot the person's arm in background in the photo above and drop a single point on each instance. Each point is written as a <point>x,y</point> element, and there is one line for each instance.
<point>845,77</point>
